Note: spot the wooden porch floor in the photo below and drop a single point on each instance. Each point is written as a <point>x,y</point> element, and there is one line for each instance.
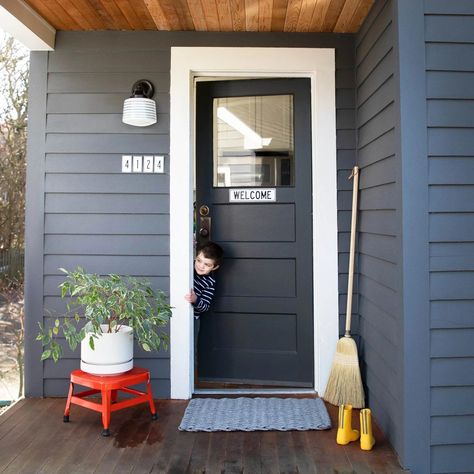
<point>34,439</point>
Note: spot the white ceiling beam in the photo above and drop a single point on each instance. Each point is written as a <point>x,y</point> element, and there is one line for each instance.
<point>27,26</point>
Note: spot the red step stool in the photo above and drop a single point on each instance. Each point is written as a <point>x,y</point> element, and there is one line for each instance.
<point>109,386</point>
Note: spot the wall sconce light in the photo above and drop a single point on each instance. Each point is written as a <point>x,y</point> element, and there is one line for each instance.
<point>140,109</point>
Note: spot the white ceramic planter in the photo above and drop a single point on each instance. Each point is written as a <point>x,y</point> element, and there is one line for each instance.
<point>112,354</point>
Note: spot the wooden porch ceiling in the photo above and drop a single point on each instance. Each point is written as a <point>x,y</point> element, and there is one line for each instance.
<point>336,16</point>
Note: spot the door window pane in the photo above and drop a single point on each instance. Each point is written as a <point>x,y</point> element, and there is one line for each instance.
<point>253,141</point>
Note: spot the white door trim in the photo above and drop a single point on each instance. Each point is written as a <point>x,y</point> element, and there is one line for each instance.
<point>317,64</point>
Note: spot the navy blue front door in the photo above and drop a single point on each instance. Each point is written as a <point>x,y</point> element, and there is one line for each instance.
<point>253,197</point>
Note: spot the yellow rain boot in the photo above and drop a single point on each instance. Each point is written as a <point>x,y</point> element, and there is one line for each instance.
<point>345,433</point>
<point>367,439</point>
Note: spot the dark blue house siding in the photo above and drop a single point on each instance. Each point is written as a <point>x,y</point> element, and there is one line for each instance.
<point>379,231</point>
<point>418,186</point>
<point>449,37</point>
<point>95,216</point>
<point>83,211</point>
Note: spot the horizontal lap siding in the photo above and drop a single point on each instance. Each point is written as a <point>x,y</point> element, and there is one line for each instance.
<point>345,125</point>
<point>378,236</point>
<point>95,216</point>
<point>450,117</point>
<point>107,221</point>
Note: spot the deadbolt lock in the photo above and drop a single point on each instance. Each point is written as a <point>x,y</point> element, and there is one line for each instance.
<point>204,211</point>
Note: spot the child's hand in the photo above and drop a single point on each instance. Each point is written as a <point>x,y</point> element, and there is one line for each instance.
<point>191,297</point>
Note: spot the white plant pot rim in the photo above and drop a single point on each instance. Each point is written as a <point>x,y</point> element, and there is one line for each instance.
<point>123,328</point>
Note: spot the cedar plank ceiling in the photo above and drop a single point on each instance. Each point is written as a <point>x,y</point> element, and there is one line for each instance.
<point>338,16</point>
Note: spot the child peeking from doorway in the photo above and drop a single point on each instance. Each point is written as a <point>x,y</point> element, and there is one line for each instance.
<point>208,259</point>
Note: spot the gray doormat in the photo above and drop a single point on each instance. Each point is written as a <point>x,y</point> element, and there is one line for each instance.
<point>255,414</point>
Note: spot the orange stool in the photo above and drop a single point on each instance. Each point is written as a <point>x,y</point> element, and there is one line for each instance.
<point>109,386</point>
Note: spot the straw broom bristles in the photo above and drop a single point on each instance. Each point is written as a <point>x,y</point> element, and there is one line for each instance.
<point>344,386</point>
<point>345,383</point>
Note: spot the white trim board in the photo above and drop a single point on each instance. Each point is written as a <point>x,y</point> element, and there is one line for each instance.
<point>318,64</point>
<point>27,26</point>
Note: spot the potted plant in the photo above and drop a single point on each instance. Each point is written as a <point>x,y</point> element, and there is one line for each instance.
<point>116,310</point>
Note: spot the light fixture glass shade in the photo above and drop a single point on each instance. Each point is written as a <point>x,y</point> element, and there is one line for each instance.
<point>139,111</point>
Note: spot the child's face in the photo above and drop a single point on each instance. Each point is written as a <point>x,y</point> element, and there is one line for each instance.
<point>203,265</point>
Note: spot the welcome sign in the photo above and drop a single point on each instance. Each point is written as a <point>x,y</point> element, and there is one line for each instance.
<point>252,195</point>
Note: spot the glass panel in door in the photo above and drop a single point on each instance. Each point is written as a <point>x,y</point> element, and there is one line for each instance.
<point>253,141</point>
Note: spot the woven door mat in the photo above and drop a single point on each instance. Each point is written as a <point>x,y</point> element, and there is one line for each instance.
<point>255,414</point>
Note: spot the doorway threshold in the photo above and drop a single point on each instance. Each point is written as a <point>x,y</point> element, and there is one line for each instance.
<point>253,391</point>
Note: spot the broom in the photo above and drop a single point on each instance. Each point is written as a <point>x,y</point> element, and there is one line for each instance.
<point>345,384</point>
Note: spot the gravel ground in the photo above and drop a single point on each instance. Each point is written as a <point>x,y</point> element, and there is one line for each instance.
<point>9,377</point>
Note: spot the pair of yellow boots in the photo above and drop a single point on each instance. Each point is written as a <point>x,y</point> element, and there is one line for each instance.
<point>345,433</point>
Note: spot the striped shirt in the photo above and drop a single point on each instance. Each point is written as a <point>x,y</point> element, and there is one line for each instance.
<point>204,286</point>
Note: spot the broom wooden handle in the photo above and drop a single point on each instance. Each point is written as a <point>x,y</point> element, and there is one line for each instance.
<point>350,279</point>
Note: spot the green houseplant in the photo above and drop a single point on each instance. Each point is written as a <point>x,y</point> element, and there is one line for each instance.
<point>110,304</point>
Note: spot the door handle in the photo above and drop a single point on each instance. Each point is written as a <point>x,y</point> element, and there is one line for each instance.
<point>205,228</point>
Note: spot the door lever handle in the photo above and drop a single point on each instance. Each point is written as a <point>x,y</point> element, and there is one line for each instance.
<point>205,228</point>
